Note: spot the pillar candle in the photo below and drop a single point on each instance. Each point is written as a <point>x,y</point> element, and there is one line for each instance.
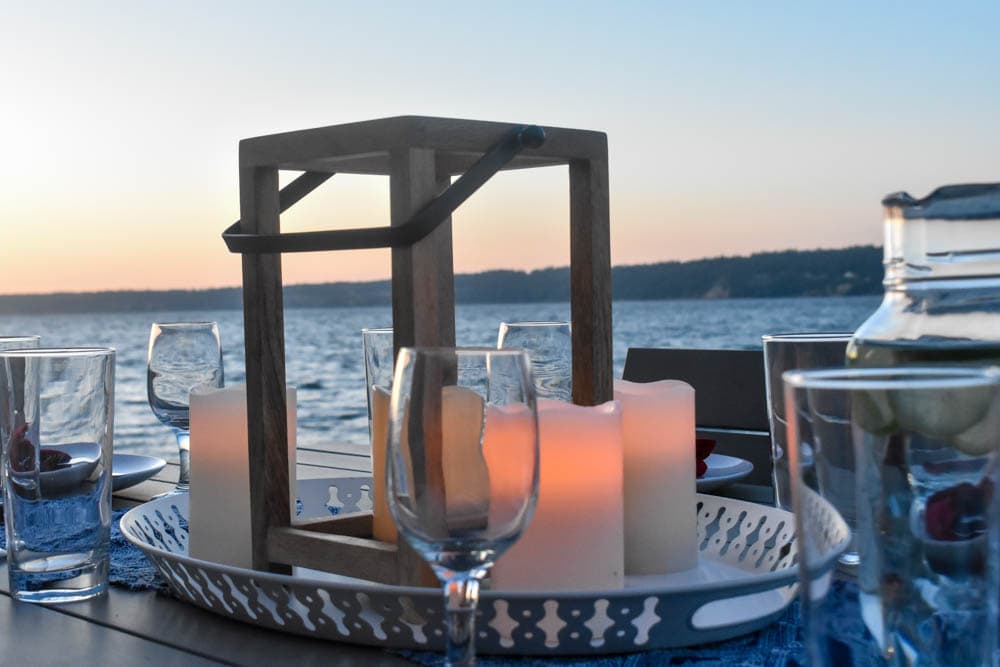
<point>660,516</point>
<point>219,517</point>
<point>464,468</point>
<point>463,471</point>
<point>511,457</point>
<point>383,527</point>
<point>575,540</point>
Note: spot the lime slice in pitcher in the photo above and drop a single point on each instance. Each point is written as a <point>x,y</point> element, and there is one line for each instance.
<point>982,437</point>
<point>872,412</point>
<point>943,412</point>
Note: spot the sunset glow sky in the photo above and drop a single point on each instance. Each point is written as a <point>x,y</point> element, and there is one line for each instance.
<point>732,129</point>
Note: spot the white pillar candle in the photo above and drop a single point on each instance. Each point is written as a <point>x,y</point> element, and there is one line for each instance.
<point>219,517</point>
<point>660,518</point>
<point>575,540</point>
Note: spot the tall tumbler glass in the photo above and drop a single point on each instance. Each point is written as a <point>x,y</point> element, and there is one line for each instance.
<point>550,346</point>
<point>56,427</point>
<point>785,352</point>
<point>926,443</point>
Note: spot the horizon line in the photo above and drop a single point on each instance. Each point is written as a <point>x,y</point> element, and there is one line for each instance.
<point>471,273</point>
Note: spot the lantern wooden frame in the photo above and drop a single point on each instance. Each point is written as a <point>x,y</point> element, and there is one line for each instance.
<point>420,155</point>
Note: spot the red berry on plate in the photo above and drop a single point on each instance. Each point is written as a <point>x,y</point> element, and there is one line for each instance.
<point>703,447</point>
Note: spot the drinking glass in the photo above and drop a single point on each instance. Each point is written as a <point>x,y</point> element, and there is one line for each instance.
<point>785,352</point>
<point>926,444</point>
<point>56,426</point>
<point>462,474</point>
<point>377,346</point>
<point>19,342</point>
<point>182,356</point>
<point>550,346</point>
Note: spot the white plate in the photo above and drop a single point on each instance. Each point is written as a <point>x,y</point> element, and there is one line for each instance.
<point>130,469</point>
<point>126,469</point>
<point>723,470</point>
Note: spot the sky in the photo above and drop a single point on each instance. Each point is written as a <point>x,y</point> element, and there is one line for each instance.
<point>733,127</point>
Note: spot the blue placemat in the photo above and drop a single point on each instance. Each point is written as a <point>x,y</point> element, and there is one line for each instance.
<point>129,567</point>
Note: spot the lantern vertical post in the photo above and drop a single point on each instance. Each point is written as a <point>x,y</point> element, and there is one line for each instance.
<point>264,335</point>
<point>590,280</point>
<point>423,286</point>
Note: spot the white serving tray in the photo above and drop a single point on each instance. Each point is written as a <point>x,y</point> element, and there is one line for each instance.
<point>746,576</point>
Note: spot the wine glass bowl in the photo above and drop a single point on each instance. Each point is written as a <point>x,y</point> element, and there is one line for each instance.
<point>182,356</point>
<point>550,346</point>
<point>462,469</point>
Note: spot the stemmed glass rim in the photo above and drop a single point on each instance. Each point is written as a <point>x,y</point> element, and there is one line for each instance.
<point>58,352</point>
<point>536,323</point>
<point>471,351</point>
<point>365,330</point>
<point>185,324</point>
<point>808,337</point>
<point>893,378</point>
<point>8,339</point>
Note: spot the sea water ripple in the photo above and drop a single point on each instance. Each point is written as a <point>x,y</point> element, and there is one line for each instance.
<point>323,349</point>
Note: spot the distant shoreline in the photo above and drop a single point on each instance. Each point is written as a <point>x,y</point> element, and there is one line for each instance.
<point>850,271</point>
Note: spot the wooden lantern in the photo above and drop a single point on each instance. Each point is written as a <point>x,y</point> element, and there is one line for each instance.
<point>420,155</point>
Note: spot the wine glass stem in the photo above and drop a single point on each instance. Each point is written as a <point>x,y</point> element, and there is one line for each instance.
<point>461,594</point>
<point>184,447</point>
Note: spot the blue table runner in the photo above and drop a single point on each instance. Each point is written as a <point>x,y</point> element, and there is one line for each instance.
<point>129,568</point>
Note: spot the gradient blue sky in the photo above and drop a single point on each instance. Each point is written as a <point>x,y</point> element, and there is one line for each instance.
<point>733,128</point>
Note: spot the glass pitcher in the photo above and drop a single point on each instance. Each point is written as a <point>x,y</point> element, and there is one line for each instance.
<point>942,281</point>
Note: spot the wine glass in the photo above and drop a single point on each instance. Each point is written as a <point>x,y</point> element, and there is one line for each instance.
<point>182,356</point>
<point>462,471</point>
<point>550,345</point>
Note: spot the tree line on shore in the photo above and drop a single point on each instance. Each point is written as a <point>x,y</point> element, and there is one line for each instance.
<point>847,271</point>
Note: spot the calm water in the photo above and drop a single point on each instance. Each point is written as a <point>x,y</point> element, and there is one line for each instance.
<point>324,349</point>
